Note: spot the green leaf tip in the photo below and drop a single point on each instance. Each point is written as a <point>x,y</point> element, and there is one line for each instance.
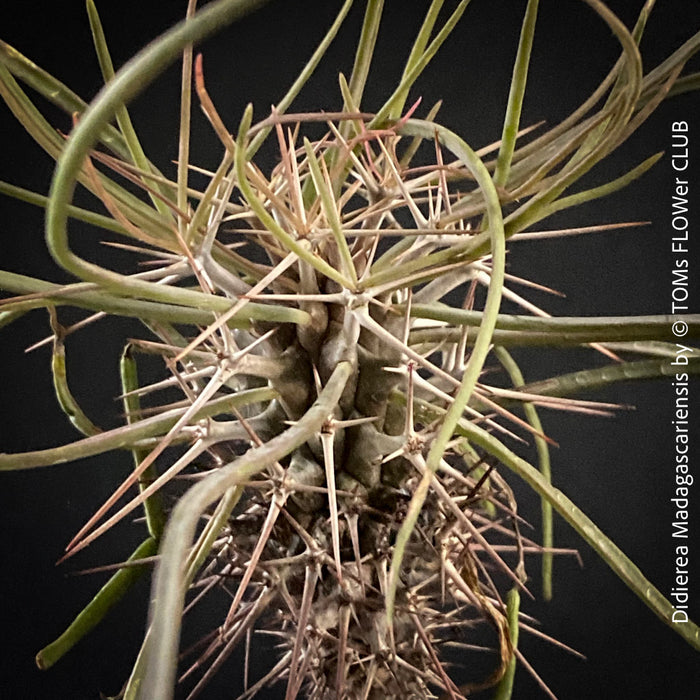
<point>94,612</point>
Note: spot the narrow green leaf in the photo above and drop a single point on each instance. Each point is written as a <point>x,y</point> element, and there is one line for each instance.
<point>544,464</point>
<point>594,193</point>
<point>300,247</point>
<point>418,67</point>
<point>39,200</point>
<point>154,506</point>
<point>183,311</point>
<point>304,76</point>
<point>64,395</point>
<point>132,79</point>
<point>56,92</point>
<point>145,433</point>
<point>511,123</point>
<point>328,203</point>
<point>365,50</point>
<point>594,379</point>
<point>594,328</point>
<point>183,147</point>
<point>481,346</point>
<point>95,611</point>
<point>417,51</point>
<point>504,690</point>
<point>123,119</point>
<point>608,551</point>
<point>211,531</point>
<point>48,139</point>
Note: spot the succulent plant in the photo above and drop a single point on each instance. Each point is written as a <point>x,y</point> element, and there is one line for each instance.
<point>328,445</point>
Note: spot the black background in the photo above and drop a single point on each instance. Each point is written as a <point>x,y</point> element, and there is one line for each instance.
<point>618,470</point>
